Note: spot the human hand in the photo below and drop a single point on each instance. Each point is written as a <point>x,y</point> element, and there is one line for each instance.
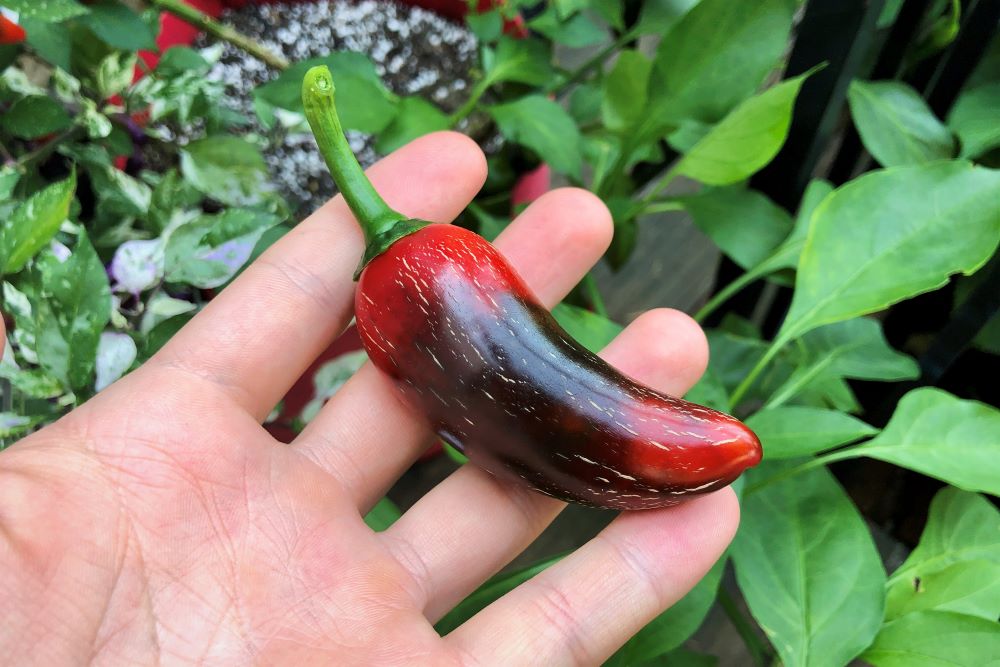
<point>160,523</point>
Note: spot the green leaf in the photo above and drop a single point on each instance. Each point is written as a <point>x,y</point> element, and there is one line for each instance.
<point>975,118</point>
<point>115,354</point>
<point>808,568</point>
<point>786,255</point>
<point>416,117</point>
<point>575,32</point>
<point>710,391</point>
<point>51,41</point>
<point>942,436</point>
<point>962,533</point>
<point>34,383</point>
<point>114,73</point>
<point>936,639</point>
<point>794,431</point>
<point>208,251</point>
<point>363,101</point>
<point>486,26</point>
<point>890,235</point>
<point>33,224</point>
<point>70,321</point>
<point>46,10</point>
<point>566,8</point>
<point>118,26</point>
<point>674,626</point>
<point>543,126</point>
<point>522,60</point>
<point>896,125</point>
<point>225,168</point>
<point>716,55</point>
<point>328,380</point>
<point>591,330</point>
<point>855,349</point>
<point>12,424</point>
<point>657,16</point>
<point>970,587</point>
<point>35,116</point>
<point>585,103</point>
<point>746,139</point>
<point>383,515</point>
<point>491,591</point>
<point>9,178</point>
<point>744,223</point>
<point>625,90</point>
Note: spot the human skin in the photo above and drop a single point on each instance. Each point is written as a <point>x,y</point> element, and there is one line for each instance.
<point>160,523</point>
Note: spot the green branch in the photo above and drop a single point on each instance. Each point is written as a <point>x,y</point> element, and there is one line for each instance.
<point>206,23</point>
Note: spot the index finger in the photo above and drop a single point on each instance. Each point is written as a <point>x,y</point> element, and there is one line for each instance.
<point>255,339</point>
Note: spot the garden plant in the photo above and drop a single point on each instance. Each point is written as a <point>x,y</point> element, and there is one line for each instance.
<point>846,189</point>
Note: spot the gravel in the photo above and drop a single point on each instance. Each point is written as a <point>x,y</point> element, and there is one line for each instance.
<point>415,52</point>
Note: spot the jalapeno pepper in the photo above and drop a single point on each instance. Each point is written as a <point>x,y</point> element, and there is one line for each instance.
<point>442,313</point>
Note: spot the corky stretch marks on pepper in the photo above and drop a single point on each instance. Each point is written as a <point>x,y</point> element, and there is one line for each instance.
<point>443,314</point>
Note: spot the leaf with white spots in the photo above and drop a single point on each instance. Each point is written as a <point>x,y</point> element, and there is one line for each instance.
<point>208,251</point>
<point>137,265</point>
<point>115,354</point>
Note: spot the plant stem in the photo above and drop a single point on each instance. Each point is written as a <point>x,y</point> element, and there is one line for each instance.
<point>831,457</point>
<point>470,104</point>
<point>596,60</point>
<point>660,185</point>
<point>776,345</point>
<point>662,207</point>
<point>202,21</point>
<point>725,294</point>
<point>373,214</point>
<point>758,650</point>
<point>594,295</point>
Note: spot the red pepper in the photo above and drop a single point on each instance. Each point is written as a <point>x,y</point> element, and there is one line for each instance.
<point>443,314</point>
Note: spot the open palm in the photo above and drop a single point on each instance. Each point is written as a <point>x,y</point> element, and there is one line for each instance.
<point>159,523</point>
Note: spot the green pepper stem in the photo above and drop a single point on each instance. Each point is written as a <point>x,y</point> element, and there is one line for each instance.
<point>382,225</point>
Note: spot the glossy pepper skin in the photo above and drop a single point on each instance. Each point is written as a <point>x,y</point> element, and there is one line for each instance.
<point>443,314</point>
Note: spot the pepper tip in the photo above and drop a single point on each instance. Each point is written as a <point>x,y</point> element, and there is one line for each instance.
<point>319,80</point>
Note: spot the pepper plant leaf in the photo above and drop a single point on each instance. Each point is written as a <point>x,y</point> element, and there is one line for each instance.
<point>589,329</point>
<point>793,431</point>
<point>225,168</point>
<point>35,116</point>
<point>574,32</point>
<point>890,235</point>
<point>543,126</point>
<point>416,117</point>
<point>69,322</point>
<point>945,437</point>
<point>54,11</point>
<point>383,515</point>
<point>33,224</point>
<point>713,57</point>
<point>896,125</point>
<point>855,349</point>
<point>625,89</point>
<point>951,565</point>
<point>808,568</point>
<point>118,26</point>
<point>208,251</point>
<point>975,118</point>
<point>523,60</point>
<point>935,638</point>
<point>746,139</point>
<point>371,106</point>
<point>744,223</point>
